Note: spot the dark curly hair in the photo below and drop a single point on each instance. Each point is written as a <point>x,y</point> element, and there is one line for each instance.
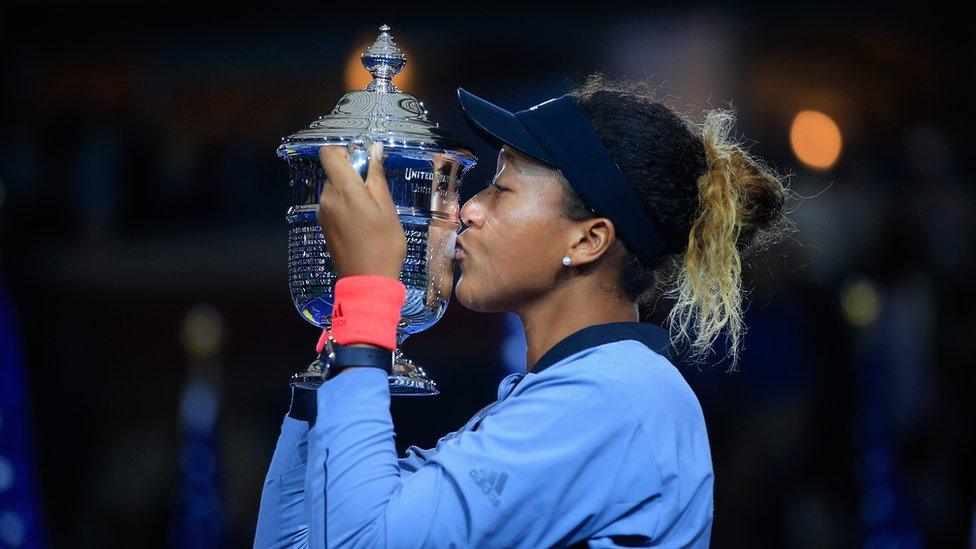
<point>713,202</point>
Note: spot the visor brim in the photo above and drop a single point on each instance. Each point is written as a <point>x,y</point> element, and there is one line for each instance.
<point>498,127</point>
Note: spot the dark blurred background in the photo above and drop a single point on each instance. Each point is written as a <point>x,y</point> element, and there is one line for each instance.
<point>146,330</point>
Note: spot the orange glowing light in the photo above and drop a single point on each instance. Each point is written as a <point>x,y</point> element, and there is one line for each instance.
<point>357,77</point>
<point>816,139</point>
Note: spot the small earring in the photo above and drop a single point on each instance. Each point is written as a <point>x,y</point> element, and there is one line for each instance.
<point>567,261</point>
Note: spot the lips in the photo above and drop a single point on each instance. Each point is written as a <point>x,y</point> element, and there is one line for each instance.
<point>459,252</point>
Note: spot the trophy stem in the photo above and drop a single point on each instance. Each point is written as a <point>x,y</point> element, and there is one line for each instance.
<point>311,376</point>
<point>407,379</point>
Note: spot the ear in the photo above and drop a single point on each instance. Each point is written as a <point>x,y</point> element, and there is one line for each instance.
<point>591,240</point>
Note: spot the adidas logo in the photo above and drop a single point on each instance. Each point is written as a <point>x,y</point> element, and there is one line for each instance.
<point>338,319</point>
<point>491,484</point>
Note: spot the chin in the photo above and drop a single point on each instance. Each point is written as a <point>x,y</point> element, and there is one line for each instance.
<point>468,296</point>
<point>461,294</point>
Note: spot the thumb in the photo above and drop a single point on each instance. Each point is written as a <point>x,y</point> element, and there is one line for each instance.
<point>376,178</point>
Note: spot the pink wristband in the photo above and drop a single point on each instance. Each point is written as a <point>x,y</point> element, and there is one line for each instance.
<point>367,310</point>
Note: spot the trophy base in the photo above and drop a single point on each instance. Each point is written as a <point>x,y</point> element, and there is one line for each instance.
<point>407,379</point>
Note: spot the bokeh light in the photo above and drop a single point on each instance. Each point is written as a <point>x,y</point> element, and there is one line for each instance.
<point>860,300</point>
<point>202,331</point>
<point>816,139</point>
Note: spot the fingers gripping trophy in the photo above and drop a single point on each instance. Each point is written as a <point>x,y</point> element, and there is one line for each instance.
<point>424,166</point>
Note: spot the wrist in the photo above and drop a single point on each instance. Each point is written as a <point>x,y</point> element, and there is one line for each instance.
<point>347,369</point>
<point>367,310</point>
<point>343,357</point>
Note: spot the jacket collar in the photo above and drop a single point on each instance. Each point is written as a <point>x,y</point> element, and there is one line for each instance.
<point>651,335</point>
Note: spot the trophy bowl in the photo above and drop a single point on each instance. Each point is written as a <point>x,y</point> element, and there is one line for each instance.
<point>424,166</point>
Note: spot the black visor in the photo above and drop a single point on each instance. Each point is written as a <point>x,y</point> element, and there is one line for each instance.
<point>558,133</point>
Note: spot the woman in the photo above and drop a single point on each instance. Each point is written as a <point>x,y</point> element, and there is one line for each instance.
<point>602,199</point>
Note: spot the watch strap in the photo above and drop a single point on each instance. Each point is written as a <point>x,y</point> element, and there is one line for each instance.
<point>346,356</point>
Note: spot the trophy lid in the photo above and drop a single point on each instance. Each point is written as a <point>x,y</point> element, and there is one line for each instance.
<point>379,112</point>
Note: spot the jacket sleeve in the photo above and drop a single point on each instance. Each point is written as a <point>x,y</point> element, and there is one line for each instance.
<point>282,517</point>
<point>538,472</point>
<point>416,458</point>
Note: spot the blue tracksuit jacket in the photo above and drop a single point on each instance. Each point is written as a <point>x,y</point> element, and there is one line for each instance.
<point>602,444</point>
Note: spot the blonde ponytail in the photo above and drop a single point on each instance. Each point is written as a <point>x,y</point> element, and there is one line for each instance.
<point>739,198</point>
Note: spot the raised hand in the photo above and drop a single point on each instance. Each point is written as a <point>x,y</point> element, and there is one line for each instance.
<point>359,219</point>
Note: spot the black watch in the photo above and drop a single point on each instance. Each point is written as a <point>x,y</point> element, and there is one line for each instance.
<point>343,356</point>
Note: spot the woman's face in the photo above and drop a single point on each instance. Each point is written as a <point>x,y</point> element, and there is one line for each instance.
<point>515,237</point>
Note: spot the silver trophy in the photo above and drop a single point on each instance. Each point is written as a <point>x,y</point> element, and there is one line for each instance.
<point>424,166</point>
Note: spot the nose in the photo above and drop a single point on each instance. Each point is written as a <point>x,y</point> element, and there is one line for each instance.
<point>472,212</point>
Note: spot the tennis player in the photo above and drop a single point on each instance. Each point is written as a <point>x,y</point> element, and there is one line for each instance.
<point>602,199</point>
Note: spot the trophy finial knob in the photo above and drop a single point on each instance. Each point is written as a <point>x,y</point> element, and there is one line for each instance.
<point>383,60</point>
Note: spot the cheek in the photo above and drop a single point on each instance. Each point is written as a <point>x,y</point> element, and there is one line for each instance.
<point>526,239</point>
<point>520,256</point>
<point>513,264</point>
